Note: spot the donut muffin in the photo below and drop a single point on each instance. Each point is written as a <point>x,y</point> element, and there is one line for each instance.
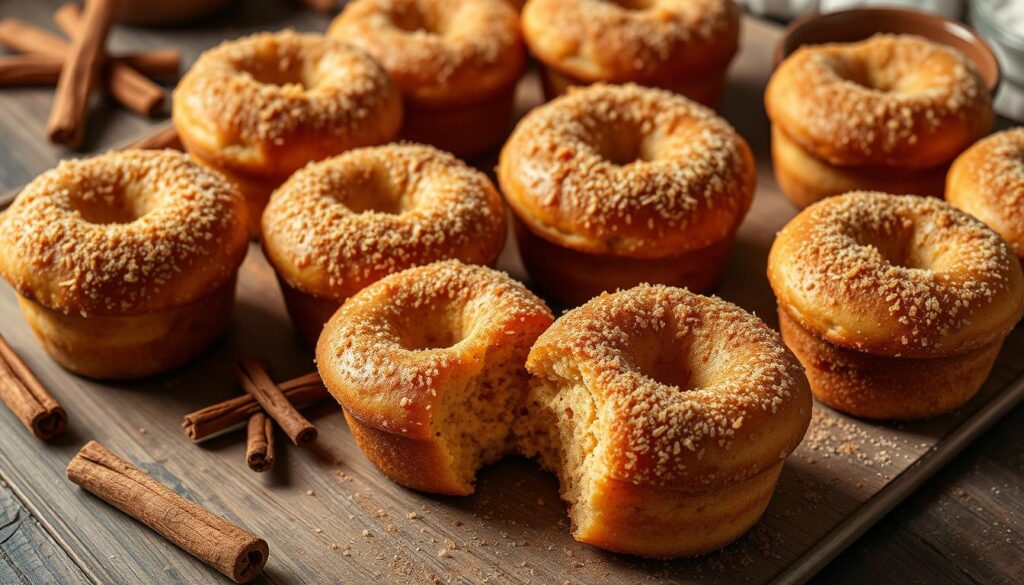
<point>258,108</point>
<point>125,263</point>
<point>457,63</point>
<point>888,113</point>
<point>987,181</point>
<point>680,45</point>
<point>896,305</point>
<point>667,417</point>
<point>338,225</point>
<point>429,367</point>
<point>612,186</point>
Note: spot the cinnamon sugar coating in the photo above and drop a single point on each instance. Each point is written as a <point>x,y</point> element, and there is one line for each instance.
<point>393,351</point>
<point>439,52</point>
<point>897,276</point>
<point>123,233</point>
<point>987,181</point>
<point>628,170</point>
<point>340,224</point>
<point>890,100</point>
<point>690,391</point>
<point>595,40</point>
<point>278,100</point>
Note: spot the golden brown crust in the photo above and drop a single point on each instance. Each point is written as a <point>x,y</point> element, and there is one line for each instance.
<point>897,276</point>
<point>987,181</point>
<point>887,388</point>
<point>627,170</point>
<point>268,103</point>
<point>652,43</point>
<point>338,225</point>
<point>898,101</point>
<point>805,179</point>
<point>572,278</point>
<point>692,391</point>
<point>386,365</point>
<point>123,233</point>
<point>439,52</point>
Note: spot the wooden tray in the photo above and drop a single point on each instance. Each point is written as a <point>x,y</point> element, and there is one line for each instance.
<point>330,516</point>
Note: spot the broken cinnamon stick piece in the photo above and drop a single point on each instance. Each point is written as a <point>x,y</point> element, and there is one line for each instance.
<point>79,75</point>
<point>19,70</point>
<point>131,89</point>
<point>254,379</point>
<point>216,418</point>
<point>233,551</point>
<point>22,392</point>
<point>145,96</point>
<point>161,63</point>
<point>22,37</point>
<point>166,137</point>
<point>259,451</point>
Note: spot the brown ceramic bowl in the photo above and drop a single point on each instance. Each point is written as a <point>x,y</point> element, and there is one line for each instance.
<point>860,23</point>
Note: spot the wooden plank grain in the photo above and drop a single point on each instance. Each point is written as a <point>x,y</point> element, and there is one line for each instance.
<point>28,554</point>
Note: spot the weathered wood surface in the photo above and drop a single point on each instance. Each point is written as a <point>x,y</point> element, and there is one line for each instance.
<point>315,505</point>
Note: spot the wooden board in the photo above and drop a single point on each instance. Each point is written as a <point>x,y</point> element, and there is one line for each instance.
<point>329,516</point>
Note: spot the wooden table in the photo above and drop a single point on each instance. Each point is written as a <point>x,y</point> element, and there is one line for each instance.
<point>966,525</point>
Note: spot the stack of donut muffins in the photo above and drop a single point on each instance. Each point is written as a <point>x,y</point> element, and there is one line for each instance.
<point>667,415</point>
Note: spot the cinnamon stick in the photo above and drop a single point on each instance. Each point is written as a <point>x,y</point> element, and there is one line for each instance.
<point>22,392</point>
<point>254,379</point>
<point>130,88</point>
<point>146,97</point>
<point>161,63</point>
<point>32,69</point>
<point>216,418</point>
<point>21,37</point>
<point>166,137</point>
<point>78,76</point>
<point>259,450</point>
<point>233,551</point>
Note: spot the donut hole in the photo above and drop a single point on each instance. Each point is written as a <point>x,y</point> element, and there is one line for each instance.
<point>372,191</point>
<point>109,204</point>
<point>635,4</point>
<point>624,144</point>
<point>665,363</point>
<point>413,19</point>
<point>433,326</point>
<point>278,68</point>
<point>900,247</point>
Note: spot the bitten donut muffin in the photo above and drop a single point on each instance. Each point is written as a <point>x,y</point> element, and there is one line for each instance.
<point>259,108</point>
<point>896,305</point>
<point>125,263</point>
<point>457,63</point>
<point>667,417</point>
<point>612,186</point>
<point>430,367</point>
<point>338,225</point>
<point>888,113</point>
<point>987,181</point>
<point>680,45</point>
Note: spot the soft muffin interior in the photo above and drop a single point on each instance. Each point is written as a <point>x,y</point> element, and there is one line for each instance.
<point>474,421</point>
<point>558,426</point>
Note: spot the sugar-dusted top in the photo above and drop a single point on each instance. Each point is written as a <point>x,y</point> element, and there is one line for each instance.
<point>987,181</point>
<point>252,100</point>
<point>123,233</point>
<point>690,391</point>
<point>392,350</point>
<point>891,100</point>
<point>901,276</point>
<point>439,52</point>
<point>628,170</point>
<point>596,40</point>
<point>338,225</point>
